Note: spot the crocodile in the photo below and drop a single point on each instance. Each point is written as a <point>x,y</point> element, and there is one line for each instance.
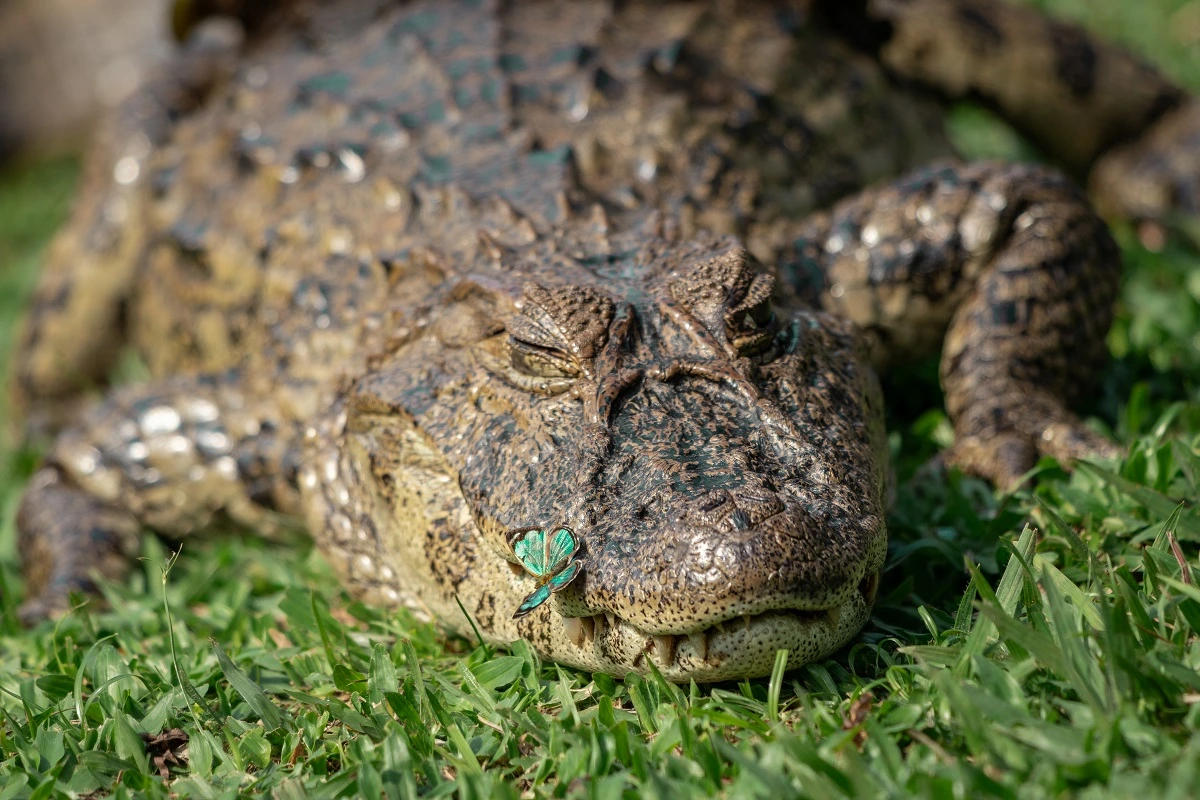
<point>425,276</point>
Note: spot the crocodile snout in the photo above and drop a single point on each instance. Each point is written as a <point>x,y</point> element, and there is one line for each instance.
<point>723,559</point>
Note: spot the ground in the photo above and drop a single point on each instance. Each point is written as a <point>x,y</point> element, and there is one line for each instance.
<point>1039,644</point>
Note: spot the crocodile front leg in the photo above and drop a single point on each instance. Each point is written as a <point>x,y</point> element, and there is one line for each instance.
<point>73,330</point>
<point>1155,176</point>
<point>169,456</point>
<point>1090,104</point>
<point>1076,95</point>
<point>1009,263</point>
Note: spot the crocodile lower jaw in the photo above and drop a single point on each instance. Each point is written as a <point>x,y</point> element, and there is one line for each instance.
<point>583,631</point>
<point>708,647</point>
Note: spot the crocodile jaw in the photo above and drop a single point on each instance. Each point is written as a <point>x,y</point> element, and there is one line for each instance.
<point>744,647</point>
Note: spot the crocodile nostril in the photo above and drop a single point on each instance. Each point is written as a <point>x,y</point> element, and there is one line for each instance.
<point>712,502</point>
<point>711,509</point>
<point>731,512</point>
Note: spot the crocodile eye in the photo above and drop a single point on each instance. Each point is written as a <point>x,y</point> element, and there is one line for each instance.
<point>551,339</point>
<point>540,362</point>
<point>528,367</point>
<point>752,330</point>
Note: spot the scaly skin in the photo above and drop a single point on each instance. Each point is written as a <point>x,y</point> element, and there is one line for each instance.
<point>421,274</point>
<point>1090,104</point>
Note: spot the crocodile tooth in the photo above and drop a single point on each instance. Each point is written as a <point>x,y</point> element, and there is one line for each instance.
<point>598,625</point>
<point>664,648</point>
<point>834,615</point>
<point>868,587</point>
<point>746,618</point>
<point>574,628</point>
<point>489,244</point>
<point>719,627</point>
<point>589,629</point>
<point>600,217</point>
<point>699,643</point>
<point>611,619</point>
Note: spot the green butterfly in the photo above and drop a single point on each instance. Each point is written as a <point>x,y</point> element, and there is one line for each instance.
<point>546,557</point>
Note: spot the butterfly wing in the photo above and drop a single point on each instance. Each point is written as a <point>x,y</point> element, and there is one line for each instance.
<point>548,557</point>
<point>568,574</point>
<point>560,546</point>
<point>530,550</point>
<point>534,599</point>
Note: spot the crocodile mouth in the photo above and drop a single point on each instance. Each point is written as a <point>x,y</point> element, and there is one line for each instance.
<point>709,646</point>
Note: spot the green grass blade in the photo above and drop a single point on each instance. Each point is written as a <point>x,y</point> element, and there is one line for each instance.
<point>1005,599</point>
<point>251,692</point>
<point>776,685</point>
<point>1154,502</point>
<point>1071,591</point>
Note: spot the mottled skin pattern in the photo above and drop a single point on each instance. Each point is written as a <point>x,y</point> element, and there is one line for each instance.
<point>425,273</point>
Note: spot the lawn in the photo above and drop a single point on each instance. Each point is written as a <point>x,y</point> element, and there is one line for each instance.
<point>1040,644</point>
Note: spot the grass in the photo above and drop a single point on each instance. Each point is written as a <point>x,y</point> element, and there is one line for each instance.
<point>1042,644</point>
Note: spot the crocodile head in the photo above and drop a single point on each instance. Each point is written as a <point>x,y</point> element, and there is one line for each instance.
<point>719,458</point>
